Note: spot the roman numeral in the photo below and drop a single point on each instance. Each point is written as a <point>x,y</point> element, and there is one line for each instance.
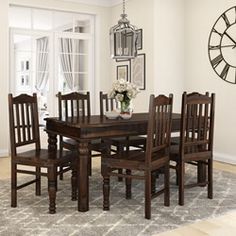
<point>224,72</point>
<point>226,20</point>
<point>235,77</point>
<point>216,61</point>
<point>215,31</point>
<point>214,47</point>
<point>235,14</point>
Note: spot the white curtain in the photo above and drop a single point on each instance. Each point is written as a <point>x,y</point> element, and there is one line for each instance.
<point>66,57</point>
<point>42,63</point>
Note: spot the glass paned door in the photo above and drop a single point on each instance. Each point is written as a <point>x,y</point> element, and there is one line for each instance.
<point>30,59</point>
<point>73,64</point>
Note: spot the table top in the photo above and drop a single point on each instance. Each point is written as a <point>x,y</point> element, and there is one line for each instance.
<point>102,121</point>
<point>99,126</point>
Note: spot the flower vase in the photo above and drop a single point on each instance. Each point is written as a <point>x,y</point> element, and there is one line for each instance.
<point>124,107</point>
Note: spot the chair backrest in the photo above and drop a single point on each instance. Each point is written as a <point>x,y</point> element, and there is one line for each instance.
<point>23,121</point>
<point>106,103</point>
<point>159,126</point>
<point>73,105</point>
<point>197,123</point>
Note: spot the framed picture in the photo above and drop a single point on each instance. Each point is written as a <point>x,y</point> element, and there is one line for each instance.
<point>121,60</point>
<point>139,33</point>
<point>122,72</point>
<point>138,71</point>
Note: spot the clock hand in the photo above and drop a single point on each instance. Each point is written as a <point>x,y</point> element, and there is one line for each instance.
<point>226,46</point>
<point>222,46</point>
<point>230,38</point>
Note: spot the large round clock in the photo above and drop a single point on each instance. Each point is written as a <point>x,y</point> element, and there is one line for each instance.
<point>222,46</point>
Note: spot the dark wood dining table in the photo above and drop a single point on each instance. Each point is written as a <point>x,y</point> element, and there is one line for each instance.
<point>93,127</point>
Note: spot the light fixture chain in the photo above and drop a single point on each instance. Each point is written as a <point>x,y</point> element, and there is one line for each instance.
<point>123,6</point>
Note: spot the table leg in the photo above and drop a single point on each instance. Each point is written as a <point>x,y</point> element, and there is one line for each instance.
<point>52,142</point>
<point>52,175</point>
<point>83,179</point>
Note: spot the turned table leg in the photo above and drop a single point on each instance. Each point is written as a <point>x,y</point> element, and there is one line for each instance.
<point>83,179</point>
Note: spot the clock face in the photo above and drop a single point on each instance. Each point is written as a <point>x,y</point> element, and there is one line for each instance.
<point>222,46</point>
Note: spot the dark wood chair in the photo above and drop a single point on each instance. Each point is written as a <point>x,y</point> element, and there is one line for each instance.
<point>24,130</point>
<point>120,143</point>
<point>196,140</point>
<point>77,105</point>
<point>141,164</point>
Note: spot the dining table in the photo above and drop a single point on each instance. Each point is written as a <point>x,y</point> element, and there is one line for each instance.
<point>85,129</point>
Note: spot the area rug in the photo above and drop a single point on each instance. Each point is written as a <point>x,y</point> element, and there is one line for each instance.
<point>126,217</point>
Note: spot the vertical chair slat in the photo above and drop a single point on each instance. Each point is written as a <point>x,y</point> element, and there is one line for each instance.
<point>23,121</point>
<point>28,121</point>
<point>200,122</point>
<point>72,108</point>
<point>17,124</point>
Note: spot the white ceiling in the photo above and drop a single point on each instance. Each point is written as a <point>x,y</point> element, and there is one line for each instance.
<point>106,3</point>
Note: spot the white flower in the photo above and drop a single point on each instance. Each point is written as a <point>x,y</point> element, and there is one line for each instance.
<point>119,97</point>
<point>112,94</point>
<point>122,90</point>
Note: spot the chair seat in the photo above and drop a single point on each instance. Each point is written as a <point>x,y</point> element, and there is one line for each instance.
<point>134,160</point>
<point>43,158</point>
<point>191,153</point>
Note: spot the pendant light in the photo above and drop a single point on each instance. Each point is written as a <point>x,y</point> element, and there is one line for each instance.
<point>123,38</point>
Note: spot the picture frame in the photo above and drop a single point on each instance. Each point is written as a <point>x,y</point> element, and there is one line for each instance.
<point>138,71</point>
<point>121,60</point>
<point>139,33</point>
<point>122,72</point>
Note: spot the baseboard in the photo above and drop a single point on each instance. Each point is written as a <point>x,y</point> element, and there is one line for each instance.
<point>224,158</point>
<point>4,153</point>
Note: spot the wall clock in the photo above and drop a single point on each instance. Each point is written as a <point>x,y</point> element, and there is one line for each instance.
<point>222,46</point>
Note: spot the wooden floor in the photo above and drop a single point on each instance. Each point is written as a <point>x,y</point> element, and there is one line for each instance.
<point>224,225</point>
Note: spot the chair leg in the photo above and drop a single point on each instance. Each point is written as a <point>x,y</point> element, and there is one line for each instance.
<point>13,185</point>
<point>106,192</point>
<point>74,180</point>
<point>210,179</point>
<point>52,177</point>
<point>120,149</point>
<point>148,194</point>
<point>128,183</point>
<point>201,173</point>
<point>181,183</point>
<point>90,164</point>
<point>154,176</point>
<point>120,171</point>
<point>38,181</point>
<point>61,168</point>
<point>177,174</point>
<point>167,185</point>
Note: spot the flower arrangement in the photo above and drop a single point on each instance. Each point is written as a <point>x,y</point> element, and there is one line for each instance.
<point>123,92</point>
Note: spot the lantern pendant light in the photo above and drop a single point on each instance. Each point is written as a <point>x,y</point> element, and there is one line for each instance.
<point>123,38</point>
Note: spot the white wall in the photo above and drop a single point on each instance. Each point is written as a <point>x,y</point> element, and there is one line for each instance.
<point>169,49</point>
<point>4,77</point>
<point>200,17</point>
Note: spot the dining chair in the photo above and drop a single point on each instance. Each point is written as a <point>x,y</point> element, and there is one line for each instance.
<point>77,105</point>
<point>140,164</point>
<point>120,143</point>
<point>196,140</point>
<point>24,132</point>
